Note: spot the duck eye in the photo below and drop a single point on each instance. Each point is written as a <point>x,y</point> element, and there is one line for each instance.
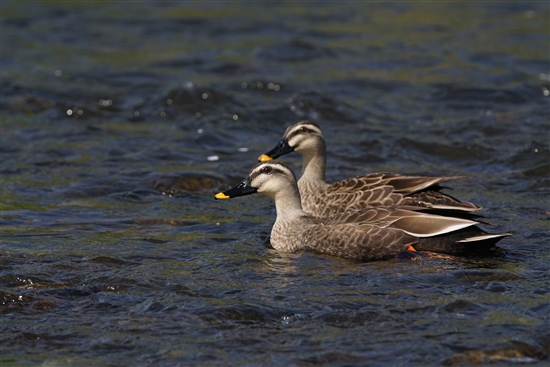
<point>266,169</point>
<point>302,130</point>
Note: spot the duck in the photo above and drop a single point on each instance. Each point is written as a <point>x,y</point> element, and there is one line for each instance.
<point>374,233</point>
<point>322,200</point>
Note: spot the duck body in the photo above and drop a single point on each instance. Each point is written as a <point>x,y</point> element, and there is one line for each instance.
<point>368,234</point>
<point>322,200</point>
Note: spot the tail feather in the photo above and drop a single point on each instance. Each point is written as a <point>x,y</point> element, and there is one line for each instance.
<point>486,237</point>
<point>465,241</point>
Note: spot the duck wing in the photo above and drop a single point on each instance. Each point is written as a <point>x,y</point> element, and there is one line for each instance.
<point>414,223</point>
<point>426,232</point>
<point>387,189</point>
<point>333,202</point>
<point>401,184</point>
<point>431,199</point>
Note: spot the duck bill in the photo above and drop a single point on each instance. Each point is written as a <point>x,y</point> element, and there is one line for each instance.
<point>241,189</point>
<point>281,149</point>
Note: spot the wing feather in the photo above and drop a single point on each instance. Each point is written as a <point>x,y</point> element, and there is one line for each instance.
<point>387,189</point>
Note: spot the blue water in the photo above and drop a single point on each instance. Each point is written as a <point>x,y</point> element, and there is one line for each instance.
<point>121,121</point>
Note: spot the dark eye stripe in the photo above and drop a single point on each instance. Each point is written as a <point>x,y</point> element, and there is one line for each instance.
<point>274,171</point>
<point>298,132</point>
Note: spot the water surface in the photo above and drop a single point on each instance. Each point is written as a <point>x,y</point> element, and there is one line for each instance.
<point>120,122</point>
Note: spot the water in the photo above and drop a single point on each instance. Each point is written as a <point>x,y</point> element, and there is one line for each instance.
<point>120,122</point>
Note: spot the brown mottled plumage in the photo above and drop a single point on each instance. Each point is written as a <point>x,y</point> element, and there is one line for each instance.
<point>367,234</point>
<point>323,200</point>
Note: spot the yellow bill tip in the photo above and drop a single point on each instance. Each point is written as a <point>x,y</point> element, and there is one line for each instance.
<point>264,158</point>
<point>221,195</point>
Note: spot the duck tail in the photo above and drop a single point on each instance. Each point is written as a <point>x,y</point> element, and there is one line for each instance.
<point>469,240</point>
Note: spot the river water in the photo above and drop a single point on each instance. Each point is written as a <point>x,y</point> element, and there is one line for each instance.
<point>120,121</point>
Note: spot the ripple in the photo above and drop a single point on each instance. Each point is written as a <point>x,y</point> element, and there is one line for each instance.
<point>293,51</point>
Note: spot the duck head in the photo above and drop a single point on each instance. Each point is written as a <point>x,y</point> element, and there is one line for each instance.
<point>269,178</point>
<point>302,137</point>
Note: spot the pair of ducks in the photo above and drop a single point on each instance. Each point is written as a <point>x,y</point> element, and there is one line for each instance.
<point>371,217</point>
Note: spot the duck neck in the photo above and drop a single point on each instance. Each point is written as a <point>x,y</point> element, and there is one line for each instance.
<point>291,221</point>
<point>288,203</point>
<point>313,163</point>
